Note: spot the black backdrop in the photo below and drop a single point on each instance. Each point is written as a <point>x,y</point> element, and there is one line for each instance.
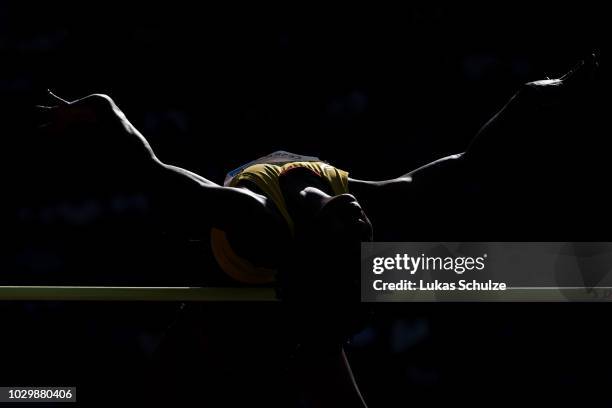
<point>375,90</point>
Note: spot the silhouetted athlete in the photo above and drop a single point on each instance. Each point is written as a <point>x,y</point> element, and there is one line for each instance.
<point>296,220</point>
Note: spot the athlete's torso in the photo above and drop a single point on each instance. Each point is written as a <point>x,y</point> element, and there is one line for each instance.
<point>253,260</point>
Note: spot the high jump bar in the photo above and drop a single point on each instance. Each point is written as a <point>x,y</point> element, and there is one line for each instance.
<point>137,293</point>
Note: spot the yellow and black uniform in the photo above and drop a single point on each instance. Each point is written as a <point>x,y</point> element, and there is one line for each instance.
<point>266,178</point>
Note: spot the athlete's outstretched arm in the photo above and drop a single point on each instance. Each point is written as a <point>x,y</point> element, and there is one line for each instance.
<point>503,144</point>
<point>115,150</point>
<point>382,196</point>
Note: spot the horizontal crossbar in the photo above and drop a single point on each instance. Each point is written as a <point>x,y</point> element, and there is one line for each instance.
<point>138,293</point>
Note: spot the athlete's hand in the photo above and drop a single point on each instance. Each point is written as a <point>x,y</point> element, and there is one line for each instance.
<point>551,92</point>
<point>94,126</point>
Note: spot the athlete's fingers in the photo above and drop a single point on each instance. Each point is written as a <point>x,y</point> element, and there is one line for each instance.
<point>572,72</point>
<point>57,98</point>
<point>583,71</point>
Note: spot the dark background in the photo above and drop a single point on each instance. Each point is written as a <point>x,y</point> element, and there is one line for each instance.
<point>375,90</point>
